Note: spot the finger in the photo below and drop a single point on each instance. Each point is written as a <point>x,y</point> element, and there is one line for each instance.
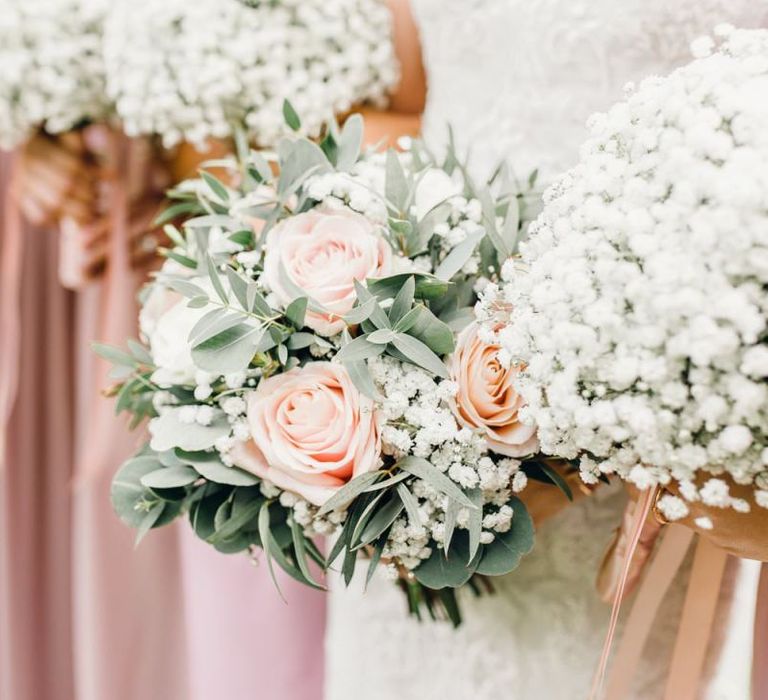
<point>51,152</point>
<point>38,177</point>
<point>34,212</point>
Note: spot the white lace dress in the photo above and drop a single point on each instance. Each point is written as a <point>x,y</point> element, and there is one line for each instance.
<point>517,79</point>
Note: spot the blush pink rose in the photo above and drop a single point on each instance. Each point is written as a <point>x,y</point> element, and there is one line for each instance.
<point>486,398</point>
<point>323,252</point>
<point>311,431</point>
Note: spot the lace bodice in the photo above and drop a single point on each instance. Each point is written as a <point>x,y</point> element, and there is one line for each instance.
<point>517,79</point>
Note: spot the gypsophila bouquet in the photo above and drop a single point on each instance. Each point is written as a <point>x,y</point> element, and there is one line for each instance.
<point>640,302</point>
<point>195,70</point>
<point>310,366</point>
<point>52,67</point>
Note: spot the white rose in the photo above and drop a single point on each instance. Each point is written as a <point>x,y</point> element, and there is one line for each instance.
<point>167,321</point>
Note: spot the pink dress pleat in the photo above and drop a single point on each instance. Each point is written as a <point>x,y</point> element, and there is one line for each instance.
<point>244,641</point>
<point>36,462</point>
<point>127,602</point>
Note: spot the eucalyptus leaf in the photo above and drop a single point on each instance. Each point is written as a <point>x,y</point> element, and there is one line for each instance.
<point>449,570</point>
<point>508,548</point>
<point>216,186</point>
<point>377,315</point>
<point>114,355</point>
<point>349,492</point>
<point>378,549</point>
<point>475,524</point>
<point>350,141</point>
<point>210,467</point>
<point>186,288</point>
<point>360,313</point>
<point>431,331</point>
<point>381,336</point>
<point>358,349</point>
<point>169,477</point>
<point>396,188</point>
<point>300,548</point>
<point>389,481</point>
<point>451,515</point>
<point>239,287</point>
<point>361,378</point>
<point>383,518</point>
<point>148,522</point>
<point>410,503</point>
<point>266,537</point>
<point>299,341</point>
<point>296,311</point>
<point>290,116</point>
<point>229,351</point>
<point>419,354</point>
<point>213,274</point>
<point>489,221</point>
<point>458,257</point>
<point>219,323</point>
<point>427,286</point>
<point>403,300</point>
<point>420,467</point>
<point>127,491</point>
<point>509,232</point>
<point>458,319</point>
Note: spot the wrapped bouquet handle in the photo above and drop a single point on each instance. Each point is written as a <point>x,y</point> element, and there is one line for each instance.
<point>696,620</point>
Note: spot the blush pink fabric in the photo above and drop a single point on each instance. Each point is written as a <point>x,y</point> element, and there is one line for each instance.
<point>35,461</point>
<point>244,642</point>
<point>83,614</point>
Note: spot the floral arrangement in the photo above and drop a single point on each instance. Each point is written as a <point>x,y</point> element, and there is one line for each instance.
<point>639,305</point>
<point>195,70</point>
<point>53,69</point>
<point>310,366</point>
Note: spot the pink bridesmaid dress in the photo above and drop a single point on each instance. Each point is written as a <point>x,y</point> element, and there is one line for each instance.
<point>83,614</point>
<point>36,424</point>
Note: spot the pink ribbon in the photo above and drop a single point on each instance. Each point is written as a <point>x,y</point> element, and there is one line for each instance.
<point>661,572</point>
<point>640,516</point>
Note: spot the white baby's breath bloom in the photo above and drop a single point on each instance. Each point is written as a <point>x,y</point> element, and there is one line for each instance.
<point>639,304</point>
<point>193,70</point>
<point>53,67</point>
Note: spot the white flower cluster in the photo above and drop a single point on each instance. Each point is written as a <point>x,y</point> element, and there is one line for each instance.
<point>418,421</point>
<point>190,70</point>
<point>52,67</point>
<point>641,306</point>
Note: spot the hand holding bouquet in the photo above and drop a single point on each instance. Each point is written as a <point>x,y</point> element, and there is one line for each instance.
<point>311,366</point>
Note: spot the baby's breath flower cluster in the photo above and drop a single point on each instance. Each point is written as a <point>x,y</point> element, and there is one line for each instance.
<point>641,307</point>
<point>192,70</point>
<point>418,420</point>
<point>52,67</point>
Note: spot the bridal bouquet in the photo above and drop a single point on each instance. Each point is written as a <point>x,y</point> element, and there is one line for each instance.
<point>640,306</point>
<point>194,70</point>
<point>52,67</point>
<point>310,366</point>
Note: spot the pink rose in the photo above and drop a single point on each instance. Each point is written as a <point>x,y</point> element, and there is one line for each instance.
<point>312,431</point>
<point>486,398</point>
<point>323,252</point>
